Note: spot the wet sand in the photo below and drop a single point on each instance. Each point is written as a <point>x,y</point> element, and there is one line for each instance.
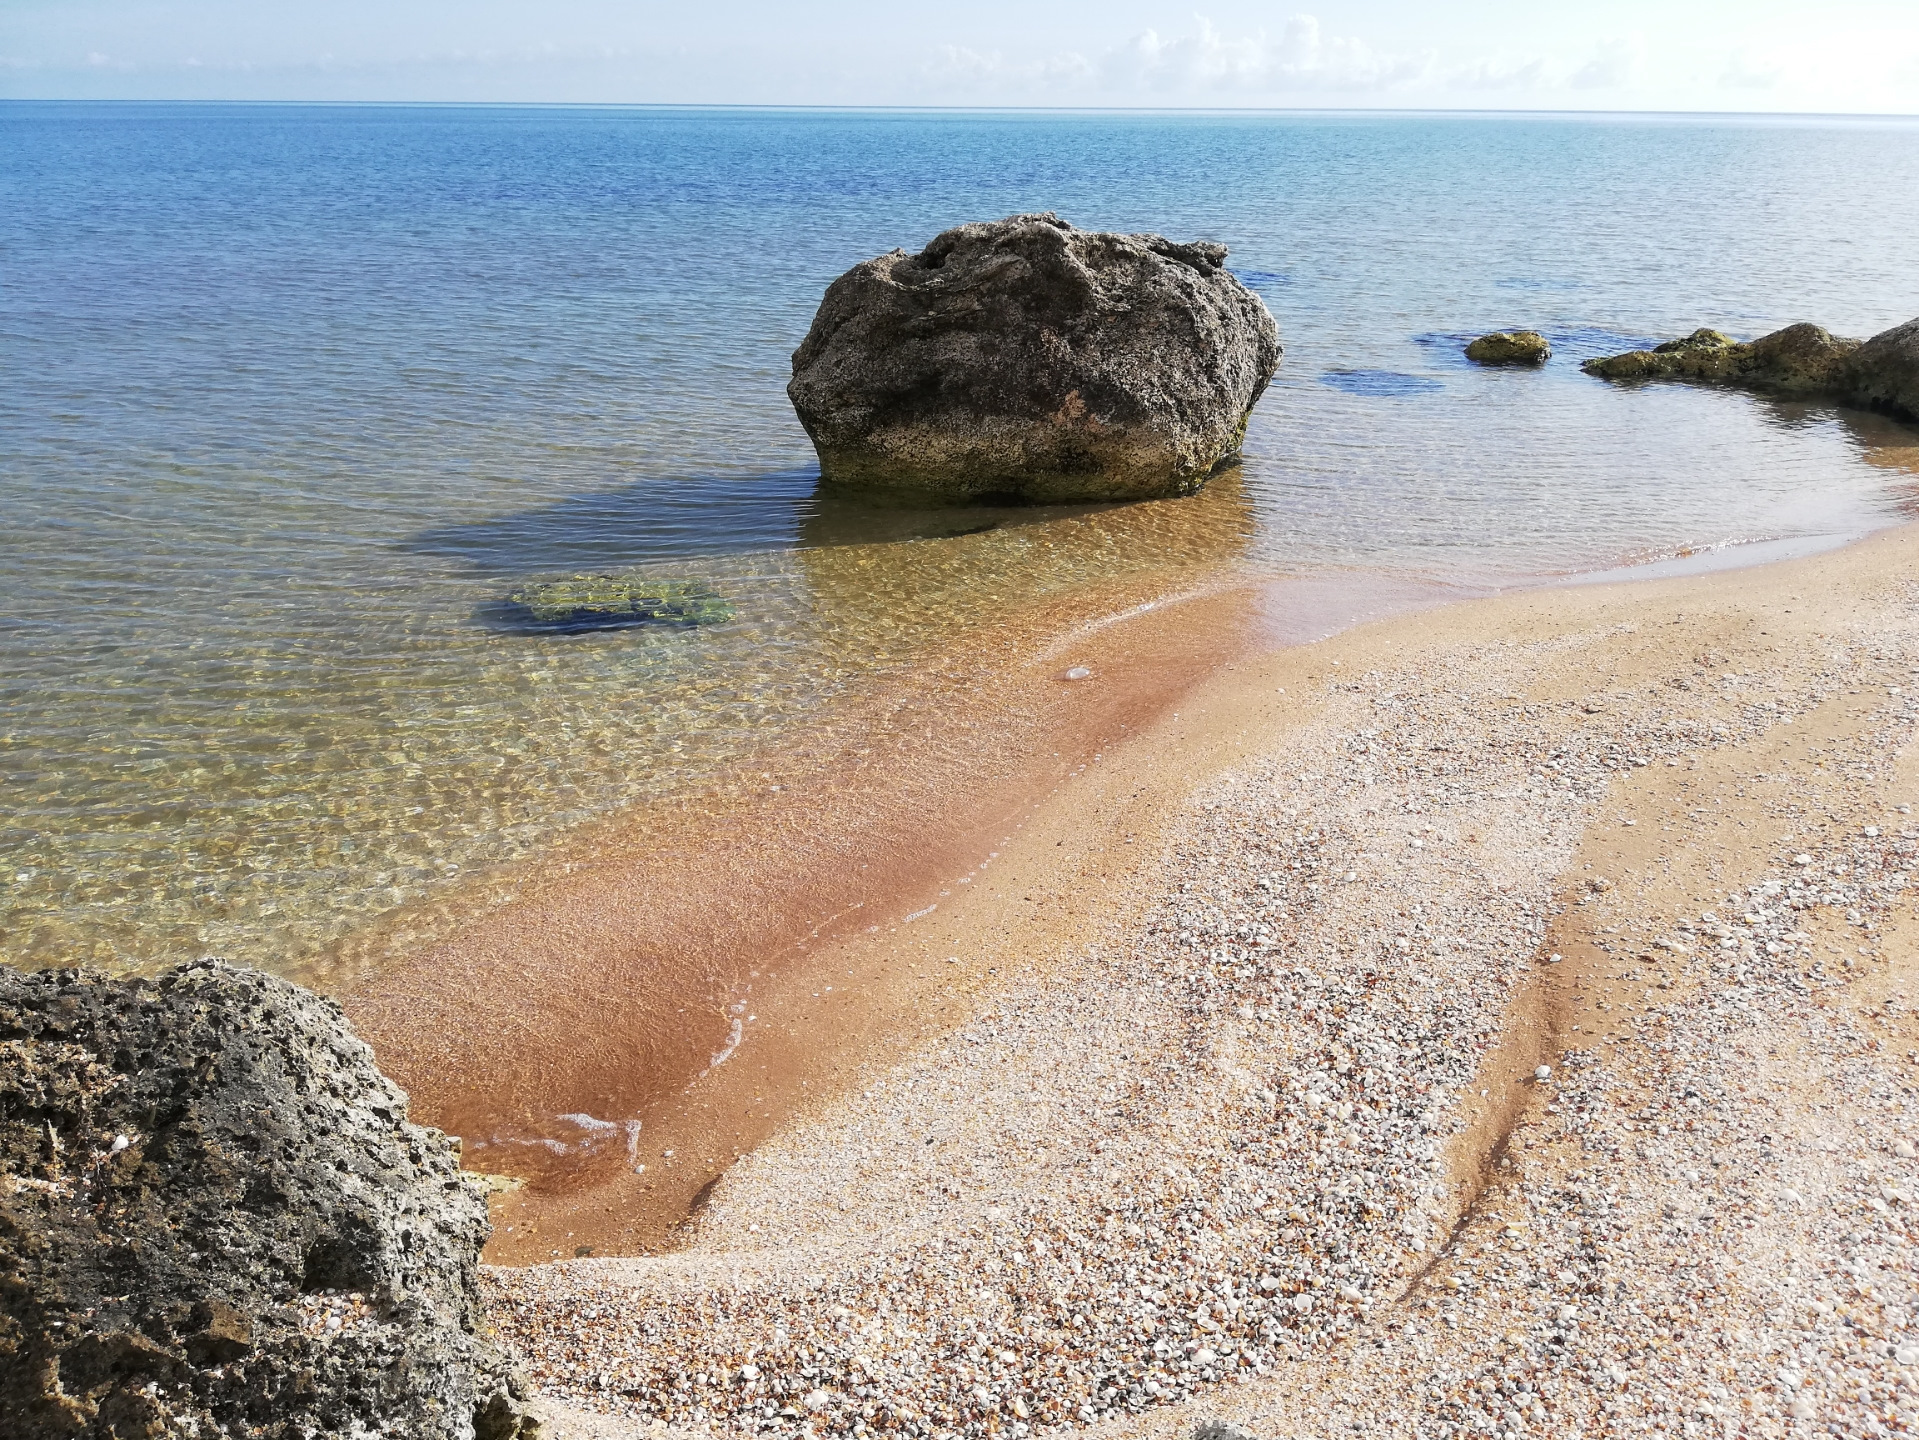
<point>1227,1104</point>
<point>612,1042</point>
<point>665,978</point>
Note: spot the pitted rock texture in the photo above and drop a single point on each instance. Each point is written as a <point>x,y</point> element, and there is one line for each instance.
<point>215,1220</point>
<point>1799,360</point>
<point>1510,347</point>
<point>1025,359</point>
<point>1885,372</point>
<point>1879,374</point>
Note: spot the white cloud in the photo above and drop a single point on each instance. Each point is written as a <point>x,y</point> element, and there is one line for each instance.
<point>1301,57</point>
<point>1500,73</point>
<point>992,69</point>
<point>1615,66</point>
<point>1203,63</point>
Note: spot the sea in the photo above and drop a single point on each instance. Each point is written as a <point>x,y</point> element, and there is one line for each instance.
<point>293,397</point>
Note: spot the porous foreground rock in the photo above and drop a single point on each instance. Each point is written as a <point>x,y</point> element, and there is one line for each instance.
<point>215,1220</point>
<point>1877,374</point>
<point>1027,359</point>
<point>1510,347</point>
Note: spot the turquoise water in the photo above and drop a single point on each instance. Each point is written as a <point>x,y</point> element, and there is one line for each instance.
<point>290,397</point>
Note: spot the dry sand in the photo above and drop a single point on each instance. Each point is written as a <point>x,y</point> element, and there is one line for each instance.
<point>1216,1093</point>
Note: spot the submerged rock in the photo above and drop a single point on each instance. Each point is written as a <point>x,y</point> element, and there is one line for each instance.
<point>215,1219</point>
<point>1027,359</point>
<point>1879,374</point>
<point>1510,347</point>
<point>602,602</point>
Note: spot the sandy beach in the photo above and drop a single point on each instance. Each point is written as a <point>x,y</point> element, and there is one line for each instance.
<point>1220,1092</point>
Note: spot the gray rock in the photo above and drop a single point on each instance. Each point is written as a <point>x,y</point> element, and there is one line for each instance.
<point>1027,359</point>
<point>215,1219</point>
<point>1879,374</point>
<point>1799,360</point>
<point>1885,372</point>
<point>1510,347</point>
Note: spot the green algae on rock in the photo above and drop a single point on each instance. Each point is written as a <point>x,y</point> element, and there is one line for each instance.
<point>1510,347</point>
<point>600,602</point>
<point>1802,359</point>
<point>1885,372</point>
<point>1878,374</point>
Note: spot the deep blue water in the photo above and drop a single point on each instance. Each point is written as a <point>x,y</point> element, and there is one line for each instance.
<point>290,395</point>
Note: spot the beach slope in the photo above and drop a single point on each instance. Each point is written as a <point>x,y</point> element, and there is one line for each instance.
<point>1495,1017</point>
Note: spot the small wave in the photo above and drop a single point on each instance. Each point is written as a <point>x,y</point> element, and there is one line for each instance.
<point>538,1142</point>
<point>1262,279</point>
<point>1389,383</point>
<point>732,1043</point>
<point>599,1130</point>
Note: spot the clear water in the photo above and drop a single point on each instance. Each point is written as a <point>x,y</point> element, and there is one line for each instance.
<point>291,396</point>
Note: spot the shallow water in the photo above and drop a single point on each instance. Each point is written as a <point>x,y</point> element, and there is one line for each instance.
<point>291,397</point>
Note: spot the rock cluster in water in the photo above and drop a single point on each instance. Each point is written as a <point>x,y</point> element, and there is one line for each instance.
<point>1510,347</point>
<point>1027,359</point>
<point>215,1219</point>
<point>1878,374</point>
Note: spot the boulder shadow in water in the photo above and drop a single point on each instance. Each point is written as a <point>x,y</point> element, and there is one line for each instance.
<point>669,520</point>
<point>594,543</point>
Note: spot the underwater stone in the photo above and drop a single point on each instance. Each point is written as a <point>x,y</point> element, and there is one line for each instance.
<point>216,1219</point>
<point>1028,359</point>
<point>1510,347</point>
<point>598,602</point>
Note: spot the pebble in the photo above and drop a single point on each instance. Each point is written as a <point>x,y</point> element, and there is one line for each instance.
<point>1220,1152</point>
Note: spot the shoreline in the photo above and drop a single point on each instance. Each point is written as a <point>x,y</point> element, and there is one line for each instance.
<point>663,1018</point>
<point>1088,1094</point>
<point>612,984</point>
<point>588,1018</point>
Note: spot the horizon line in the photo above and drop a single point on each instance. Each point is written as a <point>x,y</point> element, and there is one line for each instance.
<point>974,109</point>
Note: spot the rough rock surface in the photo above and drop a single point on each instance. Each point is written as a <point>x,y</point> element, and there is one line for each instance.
<point>215,1220</point>
<point>1510,347</point>
<point>1024,358</point>
<point>1880,374</point>
<point>1799,360</point>
<point>1884,374</point>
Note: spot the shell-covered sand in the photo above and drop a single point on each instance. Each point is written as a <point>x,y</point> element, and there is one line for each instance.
<point>1490,1020</point>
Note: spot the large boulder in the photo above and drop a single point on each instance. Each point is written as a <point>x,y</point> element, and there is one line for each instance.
<point>1884,374</point>
<point>216,1220</point>
<point>1029,360</point>
<point>1878,374</point>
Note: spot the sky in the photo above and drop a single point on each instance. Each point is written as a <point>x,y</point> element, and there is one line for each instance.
<point>1713,55</point>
